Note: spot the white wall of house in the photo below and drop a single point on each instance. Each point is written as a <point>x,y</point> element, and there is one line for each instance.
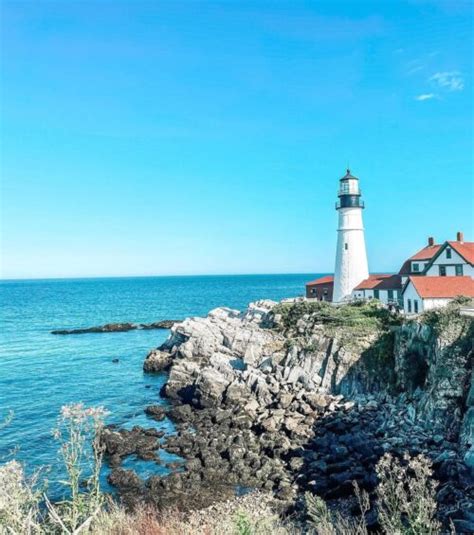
<point>435,303</point>
<point>411,295</point>
<point>410,298</point>
<point>449,264</point>
<point>418,266</point>
<point>370,294</point>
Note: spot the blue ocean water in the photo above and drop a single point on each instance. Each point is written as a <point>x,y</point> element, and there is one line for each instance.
<point>40,372</point>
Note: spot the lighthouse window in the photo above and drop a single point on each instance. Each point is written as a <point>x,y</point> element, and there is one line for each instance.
<point>346,246</point>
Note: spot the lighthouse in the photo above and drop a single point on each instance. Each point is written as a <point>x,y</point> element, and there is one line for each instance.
<point>351,256</point>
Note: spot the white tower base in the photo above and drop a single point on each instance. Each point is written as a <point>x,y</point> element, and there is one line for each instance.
<point>351,256</point>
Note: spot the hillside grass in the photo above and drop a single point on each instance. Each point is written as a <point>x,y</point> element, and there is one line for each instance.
<point>366,316</point>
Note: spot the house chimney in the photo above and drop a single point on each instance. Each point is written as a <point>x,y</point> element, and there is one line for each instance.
<point>460,237</point>
<point>431,241</point>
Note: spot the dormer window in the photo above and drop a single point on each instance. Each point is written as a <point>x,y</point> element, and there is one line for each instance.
<point>448,253</point>
<point>416,268</point>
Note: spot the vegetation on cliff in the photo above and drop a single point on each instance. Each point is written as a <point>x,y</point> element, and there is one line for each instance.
<point>358,317</point>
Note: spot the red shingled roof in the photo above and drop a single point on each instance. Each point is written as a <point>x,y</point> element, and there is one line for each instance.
<point>443,287</point>
<point>465,249</point>
<point>322,280</point>
<point>380,282</point>
<point>426,253</point>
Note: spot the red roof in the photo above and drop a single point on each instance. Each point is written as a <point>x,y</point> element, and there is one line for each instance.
<point>380,282</point>
<point>328,279</point>
<point>443,287</point>
<point>465,249</point>
<point>426,253</point>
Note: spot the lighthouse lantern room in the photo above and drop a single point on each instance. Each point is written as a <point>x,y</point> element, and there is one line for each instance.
<point>351,256</point>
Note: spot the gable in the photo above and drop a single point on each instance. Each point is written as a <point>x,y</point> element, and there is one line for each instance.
<point>457,257</point>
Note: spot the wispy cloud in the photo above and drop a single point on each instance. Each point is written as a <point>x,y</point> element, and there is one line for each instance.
<point>414,69</point>
<point>425,96</point>
<point>452,80</point>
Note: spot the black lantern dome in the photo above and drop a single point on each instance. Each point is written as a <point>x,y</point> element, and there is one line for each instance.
<point>349,192</point>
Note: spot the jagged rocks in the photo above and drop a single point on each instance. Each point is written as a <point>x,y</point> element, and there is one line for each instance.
<point>119,443</point>
<point>157,412</point>
<point>259,403</point>
<point>157,361</point>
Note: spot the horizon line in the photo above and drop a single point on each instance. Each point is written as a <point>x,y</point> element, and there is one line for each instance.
<point>91,277</point>
<point>94,277</point>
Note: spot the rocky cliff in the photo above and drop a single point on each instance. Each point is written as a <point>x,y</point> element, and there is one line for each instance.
<point>304,396</point>
<point>272,350</point>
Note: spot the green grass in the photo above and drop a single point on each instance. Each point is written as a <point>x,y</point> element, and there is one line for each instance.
<point>360,316</point>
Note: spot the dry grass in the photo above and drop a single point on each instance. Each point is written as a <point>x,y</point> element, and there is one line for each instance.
<point>235,517</point>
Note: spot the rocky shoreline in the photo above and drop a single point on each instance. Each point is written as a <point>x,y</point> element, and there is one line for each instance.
<point>290,398</point>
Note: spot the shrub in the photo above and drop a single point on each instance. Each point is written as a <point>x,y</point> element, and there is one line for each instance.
<point>406,496</point>
<point>405,500</point>
<point>19,499</point>
<point>78,432</point>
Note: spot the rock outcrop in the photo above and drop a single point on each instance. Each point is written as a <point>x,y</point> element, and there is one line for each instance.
<point>118,327</point>
<point>299,396</point>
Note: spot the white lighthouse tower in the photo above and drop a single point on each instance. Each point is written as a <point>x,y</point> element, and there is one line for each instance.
<point>351,256</point>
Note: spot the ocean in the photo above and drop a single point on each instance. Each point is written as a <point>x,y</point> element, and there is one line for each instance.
<point>41,372</point>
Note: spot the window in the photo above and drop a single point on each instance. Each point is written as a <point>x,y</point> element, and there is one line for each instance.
<point>448,253</point>
<point>459,270</point>
<point>390,295</point>
<point>376,294</point>
<point>442,271</point>
<point>415,304</point>
<point>313,290</point>
<point>416,267</point>
<point>346,246</point>
<point>409,305</point>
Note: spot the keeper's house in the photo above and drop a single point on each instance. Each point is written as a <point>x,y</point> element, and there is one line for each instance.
<point>320,289</point>
<point>430,278</point>
<point>386,288</point>
<point>425,293</point>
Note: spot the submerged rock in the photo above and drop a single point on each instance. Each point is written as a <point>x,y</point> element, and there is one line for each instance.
<point>118,327</point>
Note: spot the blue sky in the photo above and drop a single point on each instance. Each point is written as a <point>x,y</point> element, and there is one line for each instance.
<point>147,138</point>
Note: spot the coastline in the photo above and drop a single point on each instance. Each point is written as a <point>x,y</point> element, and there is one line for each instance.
<point>266,424</point>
